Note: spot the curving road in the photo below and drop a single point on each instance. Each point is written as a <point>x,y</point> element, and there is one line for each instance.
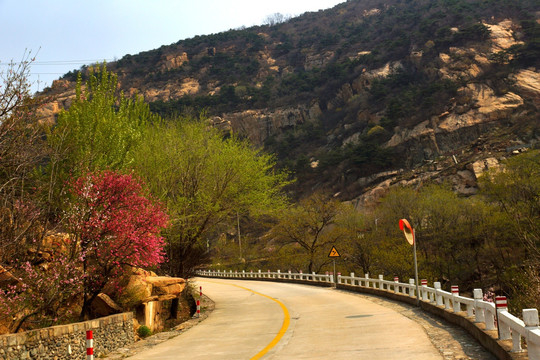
<point>265,320</point>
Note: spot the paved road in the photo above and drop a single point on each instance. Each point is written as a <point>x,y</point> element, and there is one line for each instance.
<point>266,320</point>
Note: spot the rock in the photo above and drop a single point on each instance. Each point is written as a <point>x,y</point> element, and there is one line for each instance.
<point>481,166</point>
<point>163,285</point>
<point>103,305</point>
<point>137,287</point>
<point>318,60</point>
<point>6,278</point>
<point>528,82</point>
<point>502,35</point>
<point>488,107</point>
<point>172,61</point>
<point>260,124</point>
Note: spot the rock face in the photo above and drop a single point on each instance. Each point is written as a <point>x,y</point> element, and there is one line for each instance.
<point>528,81</point>
<point>172,61</point>
<point>258,125</point>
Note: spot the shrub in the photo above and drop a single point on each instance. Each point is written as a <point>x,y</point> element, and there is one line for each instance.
<point>144,331</point>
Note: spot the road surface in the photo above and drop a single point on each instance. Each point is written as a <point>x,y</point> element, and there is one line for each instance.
<point>267,320</point>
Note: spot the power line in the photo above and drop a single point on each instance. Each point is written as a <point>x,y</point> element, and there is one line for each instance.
<point>56,62</point>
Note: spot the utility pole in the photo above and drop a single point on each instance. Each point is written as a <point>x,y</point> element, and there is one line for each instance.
<point>239,239</point>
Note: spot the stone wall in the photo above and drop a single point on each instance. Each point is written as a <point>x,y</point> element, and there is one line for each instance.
<point>110,333</point>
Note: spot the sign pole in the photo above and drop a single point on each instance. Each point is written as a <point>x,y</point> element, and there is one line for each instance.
<point>334,254</point>
<point>416,273</point>
<point>335,274</point>
<point>408,231</point>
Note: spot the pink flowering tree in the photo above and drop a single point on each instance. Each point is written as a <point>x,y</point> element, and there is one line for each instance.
<point>115,223</point>
<point>42,294</point>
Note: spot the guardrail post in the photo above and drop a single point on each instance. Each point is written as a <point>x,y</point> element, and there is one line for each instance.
<point>381,284</point>
<point>423,283</point>
<point>478,312</point>
<point>243,274</point>
<point>396,284</point>
<point>411,287</point>
<point>279,274</point>
<point>301,275</point>
<point>366,276</point>
<point>455,302</point>
<point>490,318</point>
<point>289,274</point>
<point>438,296</point>
<point>500,306</point>
<point>530,318</point>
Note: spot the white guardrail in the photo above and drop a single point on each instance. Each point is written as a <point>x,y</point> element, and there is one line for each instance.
<point>510,327</point>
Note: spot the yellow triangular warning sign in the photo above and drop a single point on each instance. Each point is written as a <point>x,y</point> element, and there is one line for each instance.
<point>334,252</point>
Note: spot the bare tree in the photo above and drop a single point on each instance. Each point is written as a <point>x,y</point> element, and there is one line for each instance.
<point>21,149</point>
<point>276,18</point>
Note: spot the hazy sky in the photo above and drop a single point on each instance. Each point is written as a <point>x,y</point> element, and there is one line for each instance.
<point>67,34</point>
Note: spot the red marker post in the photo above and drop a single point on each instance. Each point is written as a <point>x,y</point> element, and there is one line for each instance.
<point>89,345</point>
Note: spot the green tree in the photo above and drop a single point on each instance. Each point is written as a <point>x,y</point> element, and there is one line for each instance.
<point>308,230</point>
<point>360,241</point>
<point>515,190</point>
<point>100,130</point>
<point>205,181</point>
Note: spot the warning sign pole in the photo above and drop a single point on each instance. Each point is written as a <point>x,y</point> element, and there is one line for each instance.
<point>334,254</point>
<point>335,273</point>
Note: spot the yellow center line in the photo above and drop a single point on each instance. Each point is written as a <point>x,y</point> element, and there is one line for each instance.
<point>284,326</point>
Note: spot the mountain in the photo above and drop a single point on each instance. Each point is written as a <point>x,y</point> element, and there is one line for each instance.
<point>362,96</point>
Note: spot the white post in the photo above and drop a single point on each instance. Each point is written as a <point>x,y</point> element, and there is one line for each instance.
<point>381,285</point>
<point>411,287</point>
<point>366,276</point>
<point>424,289</point>
<point>490,319</point>
<point>530,318</point>
<point>353,282</point>
<point>478,312</point>
<point>438,296</point>
<point>455,302</point>
<point>396,286</point>
<point>279,274</point>
<point>500,306</point>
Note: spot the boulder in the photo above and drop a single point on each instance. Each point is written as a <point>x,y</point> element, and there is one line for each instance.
<point>163,285</point>
<point>6,278</point>
<point>103,305</point>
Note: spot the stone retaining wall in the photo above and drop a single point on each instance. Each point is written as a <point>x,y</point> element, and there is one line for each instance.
<point>110,333</point>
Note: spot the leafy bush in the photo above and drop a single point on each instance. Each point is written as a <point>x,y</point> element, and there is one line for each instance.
<point>144,331</point>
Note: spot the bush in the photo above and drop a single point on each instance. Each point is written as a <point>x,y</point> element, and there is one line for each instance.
<point>144,331</point>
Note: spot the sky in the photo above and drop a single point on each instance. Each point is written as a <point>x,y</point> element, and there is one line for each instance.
<point>63,35</point>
